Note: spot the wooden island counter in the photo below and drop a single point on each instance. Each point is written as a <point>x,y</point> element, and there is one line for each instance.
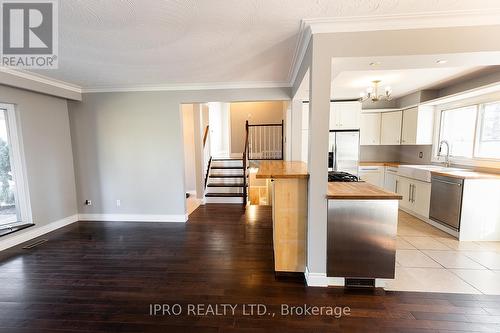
<point>289,202</point>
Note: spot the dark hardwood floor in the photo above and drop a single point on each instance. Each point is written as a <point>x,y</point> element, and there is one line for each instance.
<point>102,277</point>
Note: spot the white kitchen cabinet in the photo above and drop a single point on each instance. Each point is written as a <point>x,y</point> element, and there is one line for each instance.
<point>418,126</point>
<point>403,188</point>
<point>390,177</point>
<point>345,115</point>
<point>391,124</point>
<point>421,198</point>
<point>370,129</point>
<point>416,195</point>
<point>372,174</point>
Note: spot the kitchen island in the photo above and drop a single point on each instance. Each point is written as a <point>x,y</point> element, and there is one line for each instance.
<point>362,229</point>
<point>289,202</point>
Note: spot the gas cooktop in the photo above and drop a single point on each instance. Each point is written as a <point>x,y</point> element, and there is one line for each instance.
<point>337,176</point>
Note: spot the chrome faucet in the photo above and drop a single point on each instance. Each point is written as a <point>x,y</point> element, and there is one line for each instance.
<point>447,160</point>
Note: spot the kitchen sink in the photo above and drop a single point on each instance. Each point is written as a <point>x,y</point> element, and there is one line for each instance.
<point>422,172</point>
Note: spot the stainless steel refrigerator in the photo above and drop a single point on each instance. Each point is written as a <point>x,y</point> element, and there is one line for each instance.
<point>344,151</point>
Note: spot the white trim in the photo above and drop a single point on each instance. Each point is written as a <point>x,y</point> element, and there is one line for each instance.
<point>429,20</point>
<point>305,36</point>
<point>189,86</point>
<point>133,218</point>
<point>18,162</point>
<point>315,279</point>
<point>34,232</point>
<point>41,79</point>
<point>423,20</point>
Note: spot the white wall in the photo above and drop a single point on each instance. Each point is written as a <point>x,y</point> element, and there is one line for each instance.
<point>219,128</point>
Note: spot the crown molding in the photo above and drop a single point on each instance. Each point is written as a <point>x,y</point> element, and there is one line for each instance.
<point>188,87</point>
<point>41,79</point>
<point>427,20</point>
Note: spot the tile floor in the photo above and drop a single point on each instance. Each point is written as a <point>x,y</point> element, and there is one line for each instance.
<point>430,260</point>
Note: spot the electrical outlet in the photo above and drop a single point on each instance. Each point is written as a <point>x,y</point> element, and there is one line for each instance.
<point>118,203</point>
<point>421,155</point>
<point>88,202</point>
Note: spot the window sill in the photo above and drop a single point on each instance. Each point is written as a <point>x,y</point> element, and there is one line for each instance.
<point>4,231</point>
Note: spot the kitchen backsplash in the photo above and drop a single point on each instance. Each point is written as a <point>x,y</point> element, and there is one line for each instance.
<point>379,153</point>
<point>404,154</point>
<point>411,154</point>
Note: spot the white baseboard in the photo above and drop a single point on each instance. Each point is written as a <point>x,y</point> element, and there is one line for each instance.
<point>133,218</point>
<point>315,279</point>
<point>34,232</point>
<point>321,280</point>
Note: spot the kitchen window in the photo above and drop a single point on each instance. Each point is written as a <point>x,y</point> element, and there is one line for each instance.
<point>488,142</point>
<point>473,132</point>
<point>458,127</point>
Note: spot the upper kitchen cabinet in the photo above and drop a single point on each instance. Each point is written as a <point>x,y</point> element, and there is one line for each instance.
<point>391,124</point>
<point>418,126</point>
<point>345,115</point>
<point>370,129</point>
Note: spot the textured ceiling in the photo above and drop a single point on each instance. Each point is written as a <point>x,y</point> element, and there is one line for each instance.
<point>125,43</point>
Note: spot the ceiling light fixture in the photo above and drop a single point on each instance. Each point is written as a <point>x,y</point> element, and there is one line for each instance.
<point>375,63</point>
<point>372,94</point>
<point>441,61</point>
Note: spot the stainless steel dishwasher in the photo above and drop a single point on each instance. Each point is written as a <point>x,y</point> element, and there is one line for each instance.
<point>446,201</point>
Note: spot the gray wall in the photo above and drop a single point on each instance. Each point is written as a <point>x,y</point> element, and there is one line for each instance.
<point>129,146</point>
<point>49,160</point>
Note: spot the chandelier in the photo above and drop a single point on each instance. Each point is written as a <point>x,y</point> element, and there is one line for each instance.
<point>372,94</point>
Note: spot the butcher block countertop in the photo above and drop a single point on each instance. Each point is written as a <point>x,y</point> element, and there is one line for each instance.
<point>359,191</point>
<point>282,169</point>
<point>466,174</point>
<point>390,164</point>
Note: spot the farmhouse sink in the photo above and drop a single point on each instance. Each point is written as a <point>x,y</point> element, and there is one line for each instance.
<point>422,172</point>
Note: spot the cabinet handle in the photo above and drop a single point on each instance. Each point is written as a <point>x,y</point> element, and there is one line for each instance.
<point>397,186</point>
<point>409,193</point>
<point>413,194</point>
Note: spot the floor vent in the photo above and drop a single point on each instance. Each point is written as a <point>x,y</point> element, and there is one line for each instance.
<point>360,283</point>
<point>34,244</point>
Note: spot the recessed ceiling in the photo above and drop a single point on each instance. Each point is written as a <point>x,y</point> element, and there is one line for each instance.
<point>122,43</point>
<point>404,74</point>
<point>349,85</point>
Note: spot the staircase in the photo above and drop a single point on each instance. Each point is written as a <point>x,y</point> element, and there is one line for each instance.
<point>226,181</point>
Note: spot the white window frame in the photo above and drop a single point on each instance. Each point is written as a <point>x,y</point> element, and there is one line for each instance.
<point>19,164</point>
<point>479,129</point>
<point>474,160</point>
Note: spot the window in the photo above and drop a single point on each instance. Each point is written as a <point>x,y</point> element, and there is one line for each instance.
<point>488,143</point>
<point>8,211</point>
<point>15,210</point>
<point>458,127</point>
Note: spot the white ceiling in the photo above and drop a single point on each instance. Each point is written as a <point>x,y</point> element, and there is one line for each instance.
<point>348,85</point>
<point>129,43</point>
<point>404,74</point>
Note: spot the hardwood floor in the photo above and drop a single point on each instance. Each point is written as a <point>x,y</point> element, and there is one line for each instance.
<point>103,276</point>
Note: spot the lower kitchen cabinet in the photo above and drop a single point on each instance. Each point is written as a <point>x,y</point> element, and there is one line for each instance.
<point>372,174</point>
<point>416,195</point>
